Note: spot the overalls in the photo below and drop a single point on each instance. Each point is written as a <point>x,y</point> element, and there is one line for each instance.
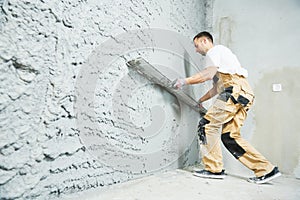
<point>229,112</point>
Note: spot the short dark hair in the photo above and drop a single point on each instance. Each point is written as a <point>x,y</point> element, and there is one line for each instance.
<point>204,34</point>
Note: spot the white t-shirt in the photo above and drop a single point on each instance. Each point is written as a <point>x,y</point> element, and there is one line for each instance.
<point>223,58</point>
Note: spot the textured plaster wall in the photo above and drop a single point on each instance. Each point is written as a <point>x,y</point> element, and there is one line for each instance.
<point>43,47</point>
<point>264,35</point>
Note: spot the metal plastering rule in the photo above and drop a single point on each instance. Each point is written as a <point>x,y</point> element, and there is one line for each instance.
<point>155,76</point>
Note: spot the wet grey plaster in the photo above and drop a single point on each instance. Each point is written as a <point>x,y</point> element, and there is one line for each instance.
<point>43,47</point>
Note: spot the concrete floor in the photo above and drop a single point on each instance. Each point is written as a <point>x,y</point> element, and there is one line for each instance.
<point>180,184</point>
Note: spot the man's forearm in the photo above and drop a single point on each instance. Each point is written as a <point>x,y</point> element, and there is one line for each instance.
<point>204,75</point>
<point>211,93</point>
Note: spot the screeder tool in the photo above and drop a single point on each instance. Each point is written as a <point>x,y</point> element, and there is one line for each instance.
<point>155,76</point>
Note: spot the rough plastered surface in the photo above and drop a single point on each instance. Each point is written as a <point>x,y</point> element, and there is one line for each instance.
<point>43,47</point>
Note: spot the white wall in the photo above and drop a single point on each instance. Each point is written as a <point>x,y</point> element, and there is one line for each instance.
<point>265,35</point>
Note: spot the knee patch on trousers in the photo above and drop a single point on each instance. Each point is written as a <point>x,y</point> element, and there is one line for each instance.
<point>233,147</point>
<point>201,130</point>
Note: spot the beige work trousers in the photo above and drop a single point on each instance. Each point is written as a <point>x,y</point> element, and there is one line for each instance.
<point>229,112</point>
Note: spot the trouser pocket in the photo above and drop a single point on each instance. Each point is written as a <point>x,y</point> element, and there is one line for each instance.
<point>238,96</point>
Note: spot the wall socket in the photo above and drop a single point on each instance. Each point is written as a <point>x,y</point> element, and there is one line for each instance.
<point>276,87</point>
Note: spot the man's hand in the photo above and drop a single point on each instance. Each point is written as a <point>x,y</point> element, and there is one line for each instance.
<point>178,83</point>
<point>200,104</point>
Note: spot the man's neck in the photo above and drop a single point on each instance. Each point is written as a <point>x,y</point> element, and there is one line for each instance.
<point>210,46</point>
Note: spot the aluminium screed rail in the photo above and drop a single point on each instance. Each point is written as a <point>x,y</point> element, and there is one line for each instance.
<point>153,75</point>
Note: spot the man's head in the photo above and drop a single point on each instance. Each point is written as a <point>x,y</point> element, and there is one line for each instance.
<point>203,41</point>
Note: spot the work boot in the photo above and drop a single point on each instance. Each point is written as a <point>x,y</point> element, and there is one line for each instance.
<point>265,178</point>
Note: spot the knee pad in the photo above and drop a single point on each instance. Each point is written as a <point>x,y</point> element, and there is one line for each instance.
<point>201,130</point>
<point>233,147</point>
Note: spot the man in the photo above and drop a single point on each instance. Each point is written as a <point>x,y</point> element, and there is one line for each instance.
<point>228,112</point>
